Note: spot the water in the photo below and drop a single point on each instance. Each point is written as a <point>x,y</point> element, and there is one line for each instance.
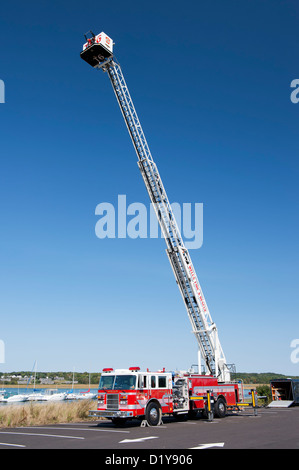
<point>12,391</point>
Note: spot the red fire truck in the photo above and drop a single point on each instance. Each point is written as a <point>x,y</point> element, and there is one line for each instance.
<point>131,393</point>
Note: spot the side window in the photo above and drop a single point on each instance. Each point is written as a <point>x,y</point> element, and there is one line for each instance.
<point>153,381</point>
<point>162,381</point>
<point>142,381</point>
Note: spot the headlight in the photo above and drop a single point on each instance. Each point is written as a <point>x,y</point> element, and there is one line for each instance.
<point>101,399</point>
<point>123,399</point>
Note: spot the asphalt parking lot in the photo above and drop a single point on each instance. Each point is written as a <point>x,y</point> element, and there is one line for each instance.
<point>270,429</point>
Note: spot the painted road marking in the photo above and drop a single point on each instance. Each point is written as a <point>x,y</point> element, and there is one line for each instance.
<point>74,429</point>
<point>13,445</point>
<point>39,434</point>
<point>141,439</point>
<point>208,446</point>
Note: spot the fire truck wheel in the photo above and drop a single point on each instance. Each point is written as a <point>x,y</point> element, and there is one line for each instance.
<point>153,414</point>
<point>220,408</point>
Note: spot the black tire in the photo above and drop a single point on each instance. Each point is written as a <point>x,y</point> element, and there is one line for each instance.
<point>153,414</point>
<point>220,408</point>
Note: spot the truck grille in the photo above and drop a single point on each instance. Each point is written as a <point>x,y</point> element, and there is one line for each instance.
<point>112,401</point>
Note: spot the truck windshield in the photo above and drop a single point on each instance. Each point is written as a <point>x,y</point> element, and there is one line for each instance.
<point>117,382</point>
<point>106,382</point>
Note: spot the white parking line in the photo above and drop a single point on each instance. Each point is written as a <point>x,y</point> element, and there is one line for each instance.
<point>140,439</point>
<point>39,434</point>
<point>208,446</point>
<point>13,445</point>
<point>74,429</point>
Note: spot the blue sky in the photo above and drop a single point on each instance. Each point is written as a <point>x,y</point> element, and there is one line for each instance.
<point>211,85</point>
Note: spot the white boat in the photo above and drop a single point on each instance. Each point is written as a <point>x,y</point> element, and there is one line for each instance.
<point>2,393</point>
<point>16,398</point>
<point>36,396</point>
<point>81,396</point>
<point>54,395</point>
<point>71,396</point>
<point>87,395</point>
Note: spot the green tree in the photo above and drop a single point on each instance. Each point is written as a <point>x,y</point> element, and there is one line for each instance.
<point>264,391</point>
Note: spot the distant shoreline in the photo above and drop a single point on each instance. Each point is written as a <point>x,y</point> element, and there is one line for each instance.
<point>38,386</point>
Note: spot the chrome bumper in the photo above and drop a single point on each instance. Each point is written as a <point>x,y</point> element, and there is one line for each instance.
<point>111,414</point>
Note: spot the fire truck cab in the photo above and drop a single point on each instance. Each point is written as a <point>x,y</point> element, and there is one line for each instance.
<point>130,393</point>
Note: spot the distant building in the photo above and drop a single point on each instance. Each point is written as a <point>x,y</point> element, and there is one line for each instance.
<point>46,381</point>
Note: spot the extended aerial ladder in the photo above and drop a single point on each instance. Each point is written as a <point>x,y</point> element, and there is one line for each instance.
<point>98,52</point>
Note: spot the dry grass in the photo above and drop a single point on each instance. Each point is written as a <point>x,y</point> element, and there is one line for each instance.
<point>45,413</point>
